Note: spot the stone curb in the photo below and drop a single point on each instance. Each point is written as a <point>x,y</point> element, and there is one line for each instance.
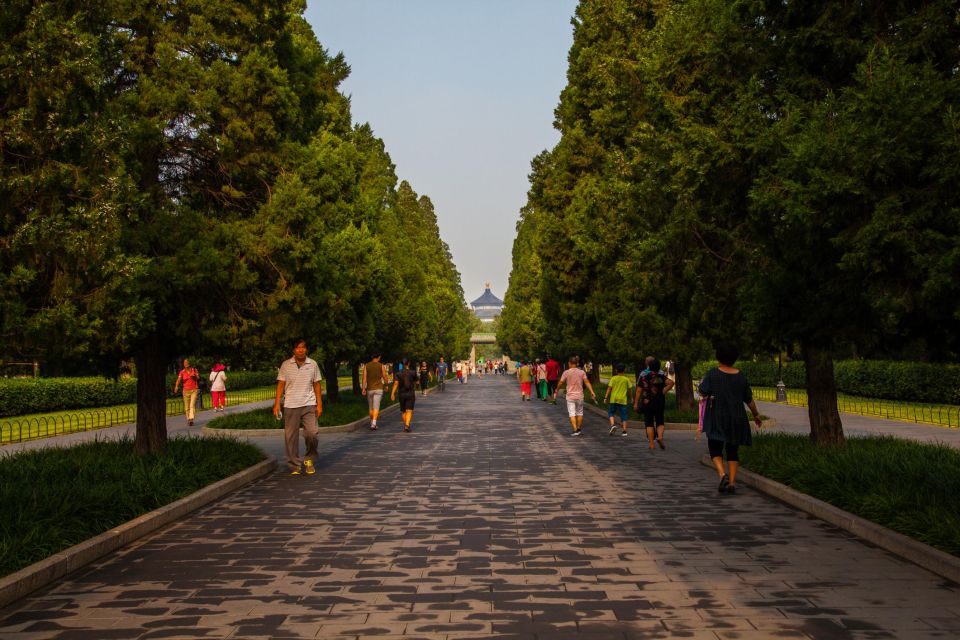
<point>923,555</point>
<point>42,573</point>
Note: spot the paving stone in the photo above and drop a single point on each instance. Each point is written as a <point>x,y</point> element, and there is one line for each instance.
<point>488,521</point>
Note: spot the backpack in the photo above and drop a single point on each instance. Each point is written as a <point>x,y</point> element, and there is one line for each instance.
<point>651,384</point>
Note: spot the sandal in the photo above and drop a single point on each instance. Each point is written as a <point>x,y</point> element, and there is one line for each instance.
<point>660,442</point>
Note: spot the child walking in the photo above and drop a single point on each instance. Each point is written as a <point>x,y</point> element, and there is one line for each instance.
<point>618,390</point>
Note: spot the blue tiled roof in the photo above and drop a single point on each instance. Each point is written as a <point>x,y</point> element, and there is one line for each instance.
<point>487,300</point>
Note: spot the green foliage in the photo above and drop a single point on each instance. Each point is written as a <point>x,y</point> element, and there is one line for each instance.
<point>21,396</point>
<point>909,487</point>
<point>53,498</point>
<point>890,380</point>
<point>762,173</point>
<point>188,174</point>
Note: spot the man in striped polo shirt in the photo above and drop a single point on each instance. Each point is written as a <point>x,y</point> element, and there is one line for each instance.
<point>298,383</point>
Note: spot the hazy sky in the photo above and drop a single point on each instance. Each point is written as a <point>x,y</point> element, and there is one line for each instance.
<point>462,92</point>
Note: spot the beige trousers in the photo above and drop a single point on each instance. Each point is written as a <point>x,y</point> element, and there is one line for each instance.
<point>291,433</point>
<point>190,403</point>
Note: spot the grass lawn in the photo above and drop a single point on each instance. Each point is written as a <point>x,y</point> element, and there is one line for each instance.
<point>42,425</point>
<point>909,487</point>
<point>348,409</point>
<point>53,498</point>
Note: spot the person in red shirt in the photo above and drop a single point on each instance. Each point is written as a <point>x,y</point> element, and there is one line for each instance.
<point>553,374</point>
<point>190,379</point>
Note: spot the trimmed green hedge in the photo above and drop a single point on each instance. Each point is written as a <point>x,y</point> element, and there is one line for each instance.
<point>19,396</point>
<point>886,379</point>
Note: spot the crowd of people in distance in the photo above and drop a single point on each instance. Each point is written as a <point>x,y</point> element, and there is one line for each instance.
<point>724,393</point>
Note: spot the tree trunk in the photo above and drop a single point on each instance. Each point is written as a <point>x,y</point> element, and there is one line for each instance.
<point>683,377</point>
<point>333,385</point>
<point>355,377</point>
<point>825,425</point>
<point>151,397</point>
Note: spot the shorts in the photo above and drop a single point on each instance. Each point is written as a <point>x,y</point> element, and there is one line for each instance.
<point>407,402</point>
<point>374,398</point>
<point>653,414</point>
<point>614,408</point>
<point>525,388</point>
<point>575,407</point>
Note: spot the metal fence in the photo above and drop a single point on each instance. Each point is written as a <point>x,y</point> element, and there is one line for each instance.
<point>920,413</point>
<point>34,427</point>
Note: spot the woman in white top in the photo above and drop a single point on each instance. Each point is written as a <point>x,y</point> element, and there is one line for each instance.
<point>218,387</point>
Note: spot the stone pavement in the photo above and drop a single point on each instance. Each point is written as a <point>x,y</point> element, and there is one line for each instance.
<point>489,521</point>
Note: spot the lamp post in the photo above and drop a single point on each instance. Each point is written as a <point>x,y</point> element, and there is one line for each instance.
<point>781,388</point>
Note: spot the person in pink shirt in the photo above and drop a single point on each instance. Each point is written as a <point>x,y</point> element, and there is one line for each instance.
<point>574,378</point>
<point>218,386</point>
<point>190,379</point>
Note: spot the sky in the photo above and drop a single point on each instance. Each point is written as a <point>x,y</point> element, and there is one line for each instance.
<point>462,92</point>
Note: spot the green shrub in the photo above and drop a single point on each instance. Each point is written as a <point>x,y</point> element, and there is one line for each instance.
<point>910,487</point>
<point>886,379</point>
<point>19,396</point>
<point>55,497</point>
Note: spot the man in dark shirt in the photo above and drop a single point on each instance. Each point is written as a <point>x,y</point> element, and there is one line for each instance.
<point>406,383</point>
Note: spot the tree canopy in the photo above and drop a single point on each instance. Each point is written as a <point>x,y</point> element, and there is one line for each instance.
<point>776,175</point>
<point>186,175</point>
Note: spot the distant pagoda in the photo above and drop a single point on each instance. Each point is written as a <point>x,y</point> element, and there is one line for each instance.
<point>488,306</point>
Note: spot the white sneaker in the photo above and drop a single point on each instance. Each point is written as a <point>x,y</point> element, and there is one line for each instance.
<point>613,430</point>
<point>623,435</point>
<point>574,434</point>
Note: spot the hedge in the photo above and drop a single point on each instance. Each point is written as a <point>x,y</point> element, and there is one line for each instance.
<point>19,396</point>
<point>886,379</point>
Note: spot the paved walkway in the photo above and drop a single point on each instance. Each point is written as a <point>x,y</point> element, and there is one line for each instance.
<point>795,420</point>
<point>489,521</point>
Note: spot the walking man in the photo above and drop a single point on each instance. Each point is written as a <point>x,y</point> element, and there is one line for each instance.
<point>553,375</point>
<point>441,369</point>
<point>298,385</point>
<point>574,378</point>
<point>372,385</point>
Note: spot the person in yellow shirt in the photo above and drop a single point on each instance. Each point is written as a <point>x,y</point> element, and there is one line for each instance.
<point>618,390</point>
<point>525,377</point>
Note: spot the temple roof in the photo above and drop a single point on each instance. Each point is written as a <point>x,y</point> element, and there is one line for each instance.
<point>487,300</point>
